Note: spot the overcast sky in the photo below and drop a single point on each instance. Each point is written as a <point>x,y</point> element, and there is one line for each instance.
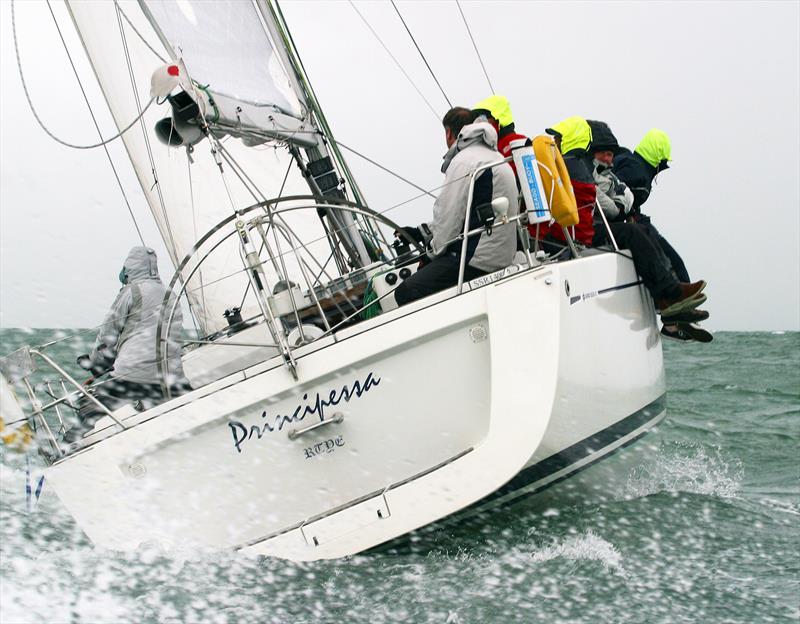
<point>722,79</point>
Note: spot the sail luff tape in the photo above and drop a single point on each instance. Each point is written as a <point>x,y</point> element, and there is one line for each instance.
<point>530,181</point>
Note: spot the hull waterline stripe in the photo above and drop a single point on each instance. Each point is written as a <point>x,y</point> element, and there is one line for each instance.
<point>581,450</point>
<point>524,483</point>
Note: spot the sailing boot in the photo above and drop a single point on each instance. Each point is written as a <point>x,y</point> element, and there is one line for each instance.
<point>685,297</point>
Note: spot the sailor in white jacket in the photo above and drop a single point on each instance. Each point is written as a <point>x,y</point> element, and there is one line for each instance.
<point>470,146</point>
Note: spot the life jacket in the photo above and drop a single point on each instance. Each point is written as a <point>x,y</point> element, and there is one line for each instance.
<point>585,195</point>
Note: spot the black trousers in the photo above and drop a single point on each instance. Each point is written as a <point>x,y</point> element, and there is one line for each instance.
<point>437,275</point>
<point>674,258</point>
<point>114,393</point>
<point>651,263</point>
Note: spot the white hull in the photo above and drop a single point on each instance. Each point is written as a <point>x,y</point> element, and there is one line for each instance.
<point>454,403</point>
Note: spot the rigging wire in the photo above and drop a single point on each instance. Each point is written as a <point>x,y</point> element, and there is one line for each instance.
<point>474,45</point>
<point>421,54</point>
<point>396,62</point>
<point>387,170</point>
<point>245,179</point>
<point>311,99</point>
<point>36,115</point>
<point>242,270</point>
<point>338,159</point>
<point>264,242</point>
<point>171,246</point>
<point>96,125</point>
<point>300,70</point>
<point>144,134</point>
<point>144,41</point>
<point>322,238</point>
<point>194,227</point>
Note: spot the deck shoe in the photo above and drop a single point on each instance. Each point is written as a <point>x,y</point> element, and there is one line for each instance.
<point>689,291</point>
<point>672,308</point>
<point>673,332</point>
<point>689,316</point>
<point>689,297</point>
<point>696,332</point>
<point>686,332</point>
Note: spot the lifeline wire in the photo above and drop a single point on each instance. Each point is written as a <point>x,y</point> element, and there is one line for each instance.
<point>396,62</point>
<point>242,270</point>
<point>421,54</point>
<point>36,115</point>
<point>96,125</point>
<point>474,45</point>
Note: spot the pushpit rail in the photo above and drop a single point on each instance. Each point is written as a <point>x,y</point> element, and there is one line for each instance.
<point>18,367</point>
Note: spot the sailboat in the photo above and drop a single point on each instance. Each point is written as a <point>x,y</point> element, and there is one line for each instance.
<point>321,423</point>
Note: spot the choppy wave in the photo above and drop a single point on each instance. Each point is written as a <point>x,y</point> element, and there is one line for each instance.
<point>585,547</point>
<point>687,467</point>
<point>705,529</point>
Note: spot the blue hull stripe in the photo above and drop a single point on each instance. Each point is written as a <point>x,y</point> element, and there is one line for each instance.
<point>544,469</point>
<point>580,450</point>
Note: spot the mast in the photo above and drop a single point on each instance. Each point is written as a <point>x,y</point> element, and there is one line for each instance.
<point>276,26</point>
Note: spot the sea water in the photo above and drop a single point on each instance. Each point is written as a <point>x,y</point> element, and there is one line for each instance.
<point>704,526</point>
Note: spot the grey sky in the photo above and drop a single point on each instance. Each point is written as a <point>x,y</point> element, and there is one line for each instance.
<point>722,79</point>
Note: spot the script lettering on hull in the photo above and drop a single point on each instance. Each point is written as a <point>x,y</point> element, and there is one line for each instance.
<point>242,433</point>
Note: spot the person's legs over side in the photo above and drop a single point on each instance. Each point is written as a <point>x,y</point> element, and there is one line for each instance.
<point>674,258</point>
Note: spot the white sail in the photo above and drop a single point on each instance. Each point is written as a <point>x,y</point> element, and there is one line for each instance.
<point>224,45</point>
<point>186,192</point>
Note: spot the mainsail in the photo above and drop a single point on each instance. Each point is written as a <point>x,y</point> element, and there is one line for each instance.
<point>224,46</point>
<point>231,56</point>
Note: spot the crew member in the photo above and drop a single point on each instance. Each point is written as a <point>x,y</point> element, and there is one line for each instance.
<point>470,145</point>
<point>126,343</point>
<point>497,112</point>
<point>638,169</point>
<point>616,201</point>
<point>573,137</point>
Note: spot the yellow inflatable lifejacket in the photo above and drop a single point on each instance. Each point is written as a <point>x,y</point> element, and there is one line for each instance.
<point>555,178</point>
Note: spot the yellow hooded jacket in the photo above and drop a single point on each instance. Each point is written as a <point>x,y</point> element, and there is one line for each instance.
<point>575,134</point>
<point>655,147</point>
<point>499,108</point>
